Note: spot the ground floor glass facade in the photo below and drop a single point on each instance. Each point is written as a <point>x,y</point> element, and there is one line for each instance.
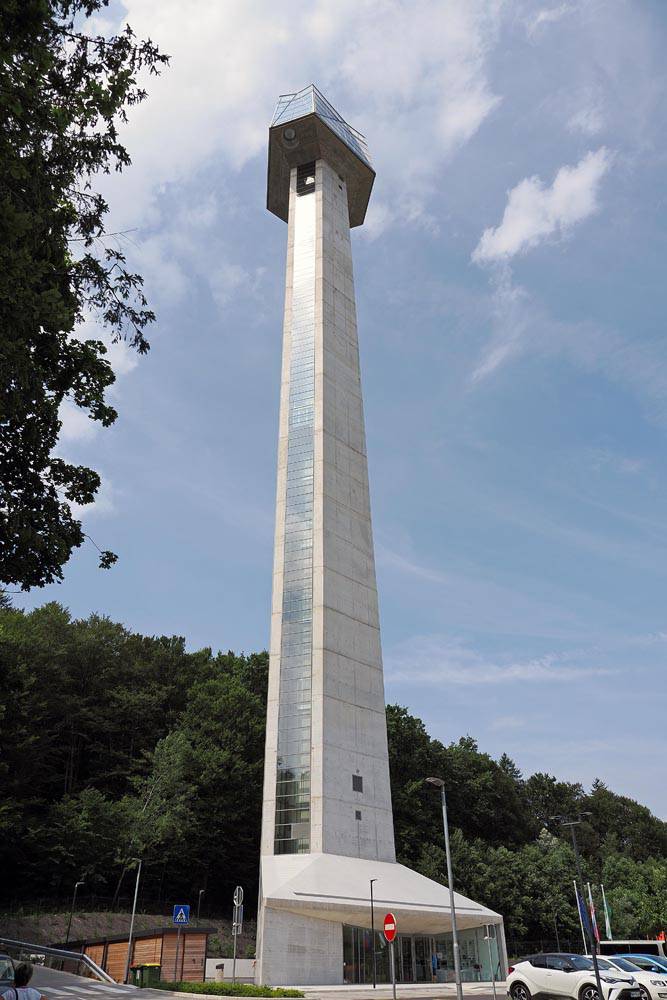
<point>421,958</point>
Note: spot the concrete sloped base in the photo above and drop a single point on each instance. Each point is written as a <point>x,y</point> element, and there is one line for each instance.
<point>306,899</point>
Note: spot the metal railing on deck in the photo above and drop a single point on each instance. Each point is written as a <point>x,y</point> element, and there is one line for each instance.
<point>38,953</point>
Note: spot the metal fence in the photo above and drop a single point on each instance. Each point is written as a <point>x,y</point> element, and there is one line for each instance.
<point>54,958</point>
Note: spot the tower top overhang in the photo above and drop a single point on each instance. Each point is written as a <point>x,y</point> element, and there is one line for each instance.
<point>306,127</point>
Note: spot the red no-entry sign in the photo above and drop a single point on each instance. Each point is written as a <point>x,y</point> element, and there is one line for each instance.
<point>390,927</point>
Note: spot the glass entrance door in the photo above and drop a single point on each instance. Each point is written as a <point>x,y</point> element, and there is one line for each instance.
<point>405,972</point>
<point>423,951</point>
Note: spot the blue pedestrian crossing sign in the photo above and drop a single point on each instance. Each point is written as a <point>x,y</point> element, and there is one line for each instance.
<point>181,914</point>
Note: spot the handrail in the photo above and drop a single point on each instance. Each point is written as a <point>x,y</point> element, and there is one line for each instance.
<point>76,956</point>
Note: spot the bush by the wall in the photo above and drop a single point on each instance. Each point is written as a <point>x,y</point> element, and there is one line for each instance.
<point>229,989</point>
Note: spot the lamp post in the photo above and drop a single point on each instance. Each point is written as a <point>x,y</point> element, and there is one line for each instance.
<point>71,912</point>
<point>201,893</point>
<point>493,974</point>
<point>572,823</point>
<point>439,783</point>
<point>373,934</point>
<point>134,910</point>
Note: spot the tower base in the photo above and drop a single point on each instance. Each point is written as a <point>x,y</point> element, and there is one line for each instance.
<point>314,918</point>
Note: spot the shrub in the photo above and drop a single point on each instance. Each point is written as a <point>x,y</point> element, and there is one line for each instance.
<point>229,989</point>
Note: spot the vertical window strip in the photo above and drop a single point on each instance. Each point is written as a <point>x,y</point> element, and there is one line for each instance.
<point>292,828</point>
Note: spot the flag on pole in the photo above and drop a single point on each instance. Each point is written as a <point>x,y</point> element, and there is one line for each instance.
<point>583,913</point>
<point>607,915</point>
<point>594,923</point>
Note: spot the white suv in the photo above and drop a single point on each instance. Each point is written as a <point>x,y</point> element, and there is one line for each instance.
<point>652,986</point>
<point>567,975</point>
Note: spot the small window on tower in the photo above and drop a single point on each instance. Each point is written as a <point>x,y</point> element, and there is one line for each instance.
<point>357,783</point>
<point>357,814</point>
<point>305,178</point>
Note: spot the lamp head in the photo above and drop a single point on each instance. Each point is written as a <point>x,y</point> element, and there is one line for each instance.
<point>436,782</point>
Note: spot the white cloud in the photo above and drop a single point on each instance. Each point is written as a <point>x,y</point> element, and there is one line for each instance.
<point>521,326</point>
<point>413,75</point>
<point>605,458</point>
<point>439,660</point>
<point>589,119</point>
<point>103,506</point>
<point>227,279</point>
<point>534,212</point>
<point>548,15</point>
<point>511,321</point>
<point>505,723</point>
<point>76,424</point>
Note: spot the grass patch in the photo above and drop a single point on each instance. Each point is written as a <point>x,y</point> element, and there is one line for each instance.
<point>229,989</point>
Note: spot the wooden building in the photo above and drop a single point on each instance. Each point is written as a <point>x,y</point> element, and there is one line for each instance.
<point>156,946</point>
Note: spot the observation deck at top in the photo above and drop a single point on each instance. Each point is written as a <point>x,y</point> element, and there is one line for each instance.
<point>305,128</point>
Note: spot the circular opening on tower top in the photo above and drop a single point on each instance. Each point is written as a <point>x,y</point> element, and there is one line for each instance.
<point>289,134</point>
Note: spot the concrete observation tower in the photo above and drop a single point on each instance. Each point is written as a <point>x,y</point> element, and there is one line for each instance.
<point>327,825</point>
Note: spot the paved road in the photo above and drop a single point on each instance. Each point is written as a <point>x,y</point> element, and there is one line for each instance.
<point>405,991</point>
<point>64,986</point>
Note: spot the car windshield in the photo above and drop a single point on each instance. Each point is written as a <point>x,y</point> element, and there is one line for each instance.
<point>626,965</point>
<point>649,961</point>
<point>580,963</point>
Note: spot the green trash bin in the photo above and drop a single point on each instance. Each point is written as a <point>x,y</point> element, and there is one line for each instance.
<point>146,974</point>
<point>152,973</point>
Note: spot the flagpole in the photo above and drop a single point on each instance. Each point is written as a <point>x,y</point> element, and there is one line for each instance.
<point>581,921</point>
<point>607,921</point>
<point>594,923</point>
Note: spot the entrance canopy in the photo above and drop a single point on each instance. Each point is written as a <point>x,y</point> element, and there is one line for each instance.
<point>336,888</point>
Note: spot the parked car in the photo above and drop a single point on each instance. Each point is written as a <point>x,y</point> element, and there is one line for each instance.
<point>566,975</point>
<point>6,972</point>
<point>652,984</point>
<point>650,963</point>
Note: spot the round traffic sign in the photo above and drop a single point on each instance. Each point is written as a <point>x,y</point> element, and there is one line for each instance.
<point>390,927</point>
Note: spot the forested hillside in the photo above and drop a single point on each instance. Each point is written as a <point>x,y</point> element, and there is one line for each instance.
<point>118,746</point>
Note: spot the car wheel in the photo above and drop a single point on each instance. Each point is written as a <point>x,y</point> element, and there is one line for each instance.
<point>589,992</point>
<point>645,993</point>
<point>519,991</point>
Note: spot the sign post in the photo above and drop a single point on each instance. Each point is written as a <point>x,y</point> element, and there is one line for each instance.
<point>237,923</point>
<point>181,918</point>
<point>489,938</point>
<point>389,928</point>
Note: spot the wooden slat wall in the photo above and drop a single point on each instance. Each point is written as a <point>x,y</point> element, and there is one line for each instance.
<point>191,956</point>
<point>96,952</point>
<point>169,957</point>
<point>147,950</point>
<point>116,958</point>
<point>194,959</point>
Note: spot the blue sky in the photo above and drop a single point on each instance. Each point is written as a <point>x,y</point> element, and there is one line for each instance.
<point>511,298</point>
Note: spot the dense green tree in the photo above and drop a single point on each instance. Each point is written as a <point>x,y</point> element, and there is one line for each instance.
<point>116,745</point>
<point>63,93</point>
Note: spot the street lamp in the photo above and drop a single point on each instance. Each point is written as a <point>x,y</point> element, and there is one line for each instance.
<point>373,934</point>
<point>572,823</point>
<point>201,893</point>
<point>71,912</point>
<point>439,783</point>
<point>134,910</point>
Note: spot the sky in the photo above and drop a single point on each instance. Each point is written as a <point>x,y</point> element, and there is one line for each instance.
<point>511,302</point>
